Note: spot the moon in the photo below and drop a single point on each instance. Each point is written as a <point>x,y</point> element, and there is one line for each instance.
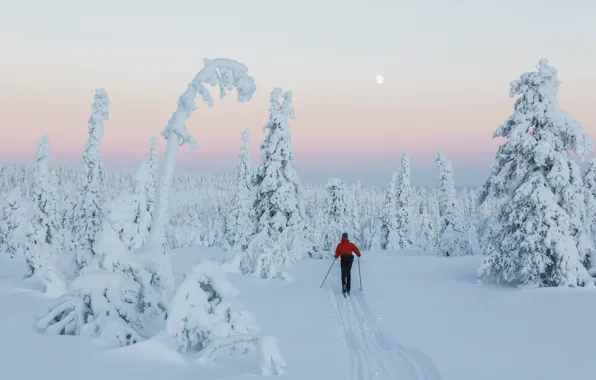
<point>379,79</point>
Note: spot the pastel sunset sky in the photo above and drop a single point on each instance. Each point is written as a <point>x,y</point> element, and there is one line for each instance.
<point>447,67</point>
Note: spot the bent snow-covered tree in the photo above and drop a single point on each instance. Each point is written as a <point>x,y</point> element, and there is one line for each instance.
<point>127,299</point>
<point>540,235</point>
<point>88,215</point>
<point>280,238</point>
<point>228,75</point>
<point>240,225</point>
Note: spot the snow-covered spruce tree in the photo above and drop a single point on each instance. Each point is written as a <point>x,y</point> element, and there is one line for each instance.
<point>389,235</point>
<point>127,299</point>
<point>371,223</point>
<point>589,179</point>
<point>453,239</point>
<point>354,210</point>
<point>88,209</point>
<point>45,234</point>
<point>426,228</point>
<point>337,214</point>
<point>151,185</point>
<point>281,236</point>
<point>240,225</point>
<point>141,206</point>
<point>206,315</point>
<point>539,235</point>
<point>15,225</point>
<point>126,217</point>
<point>404,204</point>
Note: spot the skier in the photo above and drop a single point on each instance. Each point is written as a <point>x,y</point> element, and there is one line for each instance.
<point>344,250</point>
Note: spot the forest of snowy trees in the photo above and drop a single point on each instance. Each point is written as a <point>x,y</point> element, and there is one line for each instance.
<point>101,239</point>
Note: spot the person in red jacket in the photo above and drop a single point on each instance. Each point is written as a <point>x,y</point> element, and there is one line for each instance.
<point>344,251</point>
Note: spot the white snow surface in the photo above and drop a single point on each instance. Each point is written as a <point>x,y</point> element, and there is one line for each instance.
<point>419,316</point>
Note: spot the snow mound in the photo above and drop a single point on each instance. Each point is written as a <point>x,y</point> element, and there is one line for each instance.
<point>206,316</point>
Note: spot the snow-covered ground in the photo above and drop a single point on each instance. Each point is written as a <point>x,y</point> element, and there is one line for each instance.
<point>418,313</point>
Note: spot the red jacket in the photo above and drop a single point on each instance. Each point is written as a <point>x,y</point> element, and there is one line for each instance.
<point>346,247</point>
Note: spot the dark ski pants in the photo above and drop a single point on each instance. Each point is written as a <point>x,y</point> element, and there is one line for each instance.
<point>346,262</point>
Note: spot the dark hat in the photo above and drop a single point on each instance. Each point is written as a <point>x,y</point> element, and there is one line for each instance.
<point>344,235</point>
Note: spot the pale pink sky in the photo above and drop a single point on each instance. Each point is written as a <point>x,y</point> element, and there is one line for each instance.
<point>447,75</point>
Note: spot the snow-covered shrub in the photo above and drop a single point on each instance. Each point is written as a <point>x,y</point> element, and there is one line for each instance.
<point>123,301</point>
<point>266,257</point>
<point>207,317</point>
<point>539,234</point>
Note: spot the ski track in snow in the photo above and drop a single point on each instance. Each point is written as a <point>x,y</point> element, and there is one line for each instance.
<point>371,354</point>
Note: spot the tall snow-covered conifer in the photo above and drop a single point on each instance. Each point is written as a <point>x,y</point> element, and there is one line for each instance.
<point>404,204</point>
<point>590,198</point>
<point>338,212</point>
<point>280,238</point>
<point>540,235</point>
<point>15,225</point>
<point>88,216</point>
<point>151,185</point>
<point>447,197</point>
<point>240,225</point>
<point>389,235</point>
<point>453,239</point>
<point>46,239</point>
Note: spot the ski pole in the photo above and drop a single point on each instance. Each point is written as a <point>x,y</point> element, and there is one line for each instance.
<point>359,273</point>
<point>328,271</point>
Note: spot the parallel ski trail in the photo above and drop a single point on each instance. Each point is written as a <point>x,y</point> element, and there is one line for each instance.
<point>370,353</point>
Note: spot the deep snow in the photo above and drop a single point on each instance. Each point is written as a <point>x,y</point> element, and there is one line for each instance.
<point>416,311</point>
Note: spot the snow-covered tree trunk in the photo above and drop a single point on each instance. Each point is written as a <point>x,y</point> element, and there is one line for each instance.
<point>540,234</point>
<point>88,215</point>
